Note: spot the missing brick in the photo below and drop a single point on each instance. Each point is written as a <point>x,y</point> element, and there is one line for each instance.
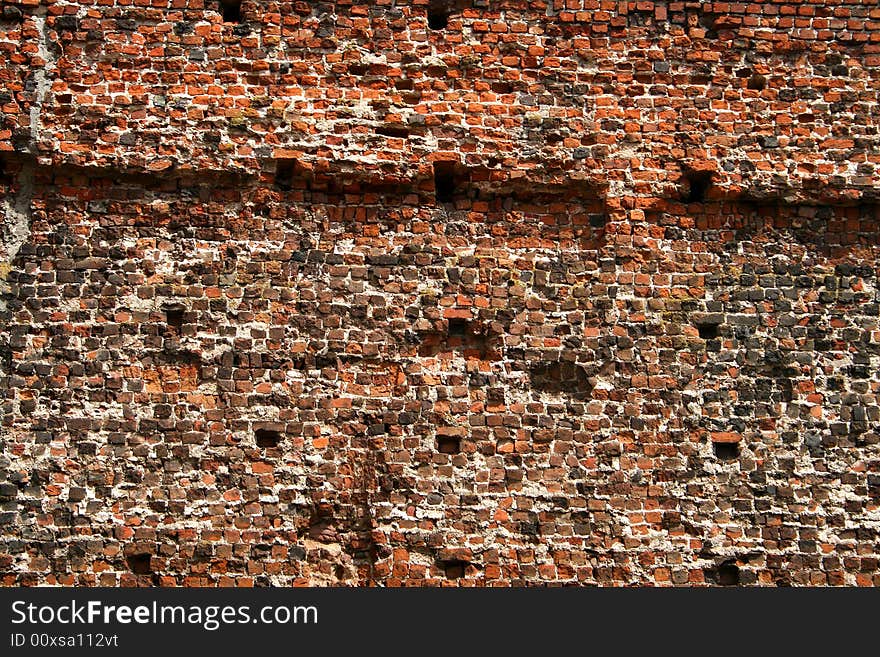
<point>444,182</point>
<point>267,438</point>
<point>708,331</point>
<point>709,22</point>
<point>140,564</point>
<point>231,11</point>
<point>448,444</point>
<point>531,526</point>
<point>397,131</point>
<point>174,315</point>
<point>284,174</point>
<point>472,339</point>
<point>11,14</point>
<point>438,14</point>
<point>757,82</point>
<point>696,185</point>
<point>726,451</point>
<point>728,574</point>
<point>454,568</point>
<point>725,574</point>
<point>458,327</point>
<point>6,179</point>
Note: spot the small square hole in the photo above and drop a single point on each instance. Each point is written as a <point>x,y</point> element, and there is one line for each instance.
<point>757,82</point>
<point>458,327</point>
<point>231,10</point>
<point>726,451</point>
<point>139,564</point>
<point>708,331</point>
<point>448,444</point>
<point>454,569</point>
<point>697,184</point>
<point>174,317</point>
<point>267,438</point>
<point>438,15</point>
<point>728,574</point>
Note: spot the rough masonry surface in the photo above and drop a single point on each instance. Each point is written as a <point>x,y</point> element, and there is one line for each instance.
<point>423,293</point>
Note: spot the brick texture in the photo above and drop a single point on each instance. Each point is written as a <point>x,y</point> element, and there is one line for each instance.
<point>545,293</point>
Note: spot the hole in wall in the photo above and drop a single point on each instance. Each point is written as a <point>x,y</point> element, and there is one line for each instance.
<point>174,317</point>
<point>231,11</point>
<point>267,438</point>
<point>458,327</point>
<point>598,220</point>
<point>448,444</point>
<point>696,185</point>
<point>470,338</point>
<point>725,574</point>
<point>709,22</point>
<point>438,15</point>
<point>67,23</point>
<point>140,564</point>
<point>284,171</point>
<point>6,179</point>
<point>558,377</point>
<point>726,451</point>
<point>454,568</point>
<point>400,132</point>
<point>728,574</point>
<point>11,14</point>
<point>531,526</point>
<point>444,182</point>
<point>757,82</point>
<point>708,331</point>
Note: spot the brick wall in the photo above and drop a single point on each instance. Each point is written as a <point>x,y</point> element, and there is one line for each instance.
<point>572,292</point>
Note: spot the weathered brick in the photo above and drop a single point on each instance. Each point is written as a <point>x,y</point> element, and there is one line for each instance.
<point>598,278</point>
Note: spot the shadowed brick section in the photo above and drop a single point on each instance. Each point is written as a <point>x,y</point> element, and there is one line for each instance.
<point>439,293</point>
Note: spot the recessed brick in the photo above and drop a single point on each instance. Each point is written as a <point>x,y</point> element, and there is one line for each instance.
<point>696,185</point>
<point>174,317</point>
<point>438,14</point>
<point>140,564</point>
<point>444,182</point>
<point>267,438</point>
<point>231,11</point>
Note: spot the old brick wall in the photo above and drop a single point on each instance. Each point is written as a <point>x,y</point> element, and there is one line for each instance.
<point>548,292</point>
